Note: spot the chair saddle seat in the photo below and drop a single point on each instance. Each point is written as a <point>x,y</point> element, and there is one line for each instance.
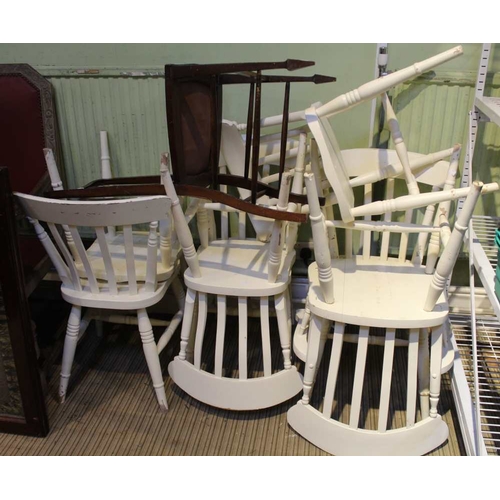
<point>123,300</point>
<point>117,251</point>
<point>238,268</point>
<point>376,293</point>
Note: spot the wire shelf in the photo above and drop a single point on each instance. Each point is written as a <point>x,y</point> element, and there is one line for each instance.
<point>488,345</point>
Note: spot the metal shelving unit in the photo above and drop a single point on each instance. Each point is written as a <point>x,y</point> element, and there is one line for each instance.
<point>488,341</point>
<point>476,376</point>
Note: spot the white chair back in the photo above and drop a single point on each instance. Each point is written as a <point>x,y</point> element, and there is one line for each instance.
<point>280,242</point>
<point>98,215</point>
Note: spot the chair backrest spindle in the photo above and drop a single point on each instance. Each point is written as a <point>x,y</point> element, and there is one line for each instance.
<point>181,227</point>
<point>320,239</point>
<point>108,264</point>
<point>450,253</point>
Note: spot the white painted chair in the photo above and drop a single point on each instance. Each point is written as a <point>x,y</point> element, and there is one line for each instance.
<point>115,238</point>
<point>131,278</point>
<point>339,172</point>
<point>379,291</point>
<point>365,166</point>
<point>244,269</point>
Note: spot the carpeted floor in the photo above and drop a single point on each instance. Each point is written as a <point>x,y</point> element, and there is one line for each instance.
<point>111,408</point>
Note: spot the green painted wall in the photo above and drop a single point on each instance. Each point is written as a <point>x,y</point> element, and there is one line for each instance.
<point>132,109</point>
<point>352,64</point>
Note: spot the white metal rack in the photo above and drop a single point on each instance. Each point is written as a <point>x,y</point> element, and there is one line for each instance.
<point>476,376</point>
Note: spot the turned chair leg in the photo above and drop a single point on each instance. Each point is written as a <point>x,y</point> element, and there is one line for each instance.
<point>315,345</point>
<point>284,327</point>
<point>435,372</point>
<point>70,342</point>
<point>152,359</point>
<point>99,328</point>
<point>187,320</point>
<point>423,371</point>
<point>303,325</point>
<point>178,290</point>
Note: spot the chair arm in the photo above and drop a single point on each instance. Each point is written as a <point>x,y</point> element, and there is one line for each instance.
<point>410,202</point>
<point>383,227</point>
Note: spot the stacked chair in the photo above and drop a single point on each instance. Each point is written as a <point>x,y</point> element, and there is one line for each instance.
<point>234,265</point>
<point>377,291</point>
<point>244,268</point>
<point>385,293</point>
<point>168,262</point>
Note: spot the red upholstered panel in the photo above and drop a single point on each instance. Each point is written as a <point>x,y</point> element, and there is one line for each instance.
<point>21,133</point>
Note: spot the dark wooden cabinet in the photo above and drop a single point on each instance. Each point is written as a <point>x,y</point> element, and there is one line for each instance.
<point>27,125</point>
<point>22,402</point>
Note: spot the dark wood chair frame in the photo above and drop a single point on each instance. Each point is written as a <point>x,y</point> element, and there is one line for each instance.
<point>194,104</point>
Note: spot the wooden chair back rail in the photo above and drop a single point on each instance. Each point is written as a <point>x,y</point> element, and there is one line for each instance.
<point>149,180</point>
<point>383,226</point>
<point>98,215</point>
<point>191,191</point>
<point>254,136</point>
<point>284,130</point>
<point>408,202</point>
<point>249,127</point>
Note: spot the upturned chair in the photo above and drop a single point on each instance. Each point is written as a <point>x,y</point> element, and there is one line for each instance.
<point>362,168</point>
<point>194,98</point>
<point>130,279</point>
<point>244,269</point>
<point>365,164</point>
<point>338,172</point>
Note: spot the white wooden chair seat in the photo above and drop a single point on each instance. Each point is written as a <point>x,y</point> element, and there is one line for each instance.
<point>376,293</point>
<point>119,301</point>
<point>223,260</point>
<point>426,167</point>
<point>116,247</point>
